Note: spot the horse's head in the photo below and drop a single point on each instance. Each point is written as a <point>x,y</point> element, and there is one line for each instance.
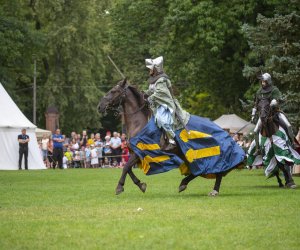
<point>114,97</point>
<point>264,109</point>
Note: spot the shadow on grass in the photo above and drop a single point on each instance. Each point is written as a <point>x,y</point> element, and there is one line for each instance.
<point>200,195</point>
<point>273,187</point>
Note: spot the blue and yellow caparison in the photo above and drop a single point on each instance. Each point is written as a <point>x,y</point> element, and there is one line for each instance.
<point>206,149</point>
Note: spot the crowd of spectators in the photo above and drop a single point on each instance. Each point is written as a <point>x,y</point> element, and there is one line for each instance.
<point>87,151</point>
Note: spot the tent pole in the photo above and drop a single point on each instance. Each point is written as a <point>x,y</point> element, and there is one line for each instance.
<point>34,93</point>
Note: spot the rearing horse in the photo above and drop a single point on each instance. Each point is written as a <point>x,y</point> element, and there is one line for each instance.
<point>136,115</point>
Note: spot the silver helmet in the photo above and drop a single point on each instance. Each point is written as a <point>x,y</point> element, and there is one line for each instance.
<point>156,63</point>
<point>266,77</point>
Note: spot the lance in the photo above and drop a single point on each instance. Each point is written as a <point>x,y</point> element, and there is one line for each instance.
<point>116,67</point>
<point>242,128</point>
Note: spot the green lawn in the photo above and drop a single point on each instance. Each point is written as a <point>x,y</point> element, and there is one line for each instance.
<point>77,209</point>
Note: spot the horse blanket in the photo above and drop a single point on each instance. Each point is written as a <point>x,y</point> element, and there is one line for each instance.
<point>274,150</point>
<point>205,149</point>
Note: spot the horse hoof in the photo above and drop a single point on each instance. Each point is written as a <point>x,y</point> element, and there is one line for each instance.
<point>182,188</point>
<point>143,187</point>
<point>291,185</point>
<point>213,193</point>
<point>119,190</point>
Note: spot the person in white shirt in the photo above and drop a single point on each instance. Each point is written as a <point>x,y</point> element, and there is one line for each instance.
<point>94,157</point>
<point>65,162</point>
<point>116,147</point>
<point>45,141</point>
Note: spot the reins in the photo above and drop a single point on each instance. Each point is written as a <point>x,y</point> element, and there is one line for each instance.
<point>119,109</point>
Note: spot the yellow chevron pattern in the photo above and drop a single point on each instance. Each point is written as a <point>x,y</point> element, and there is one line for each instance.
<point>143,146</point>
<point>193,134</point>
<point>145,163</point>
<point>192,155</point>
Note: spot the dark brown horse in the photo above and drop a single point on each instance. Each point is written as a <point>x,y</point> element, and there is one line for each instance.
<point>136,116</point>
<point>269,126</point>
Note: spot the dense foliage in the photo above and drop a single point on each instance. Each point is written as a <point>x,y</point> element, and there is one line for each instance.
<point>212,49</point>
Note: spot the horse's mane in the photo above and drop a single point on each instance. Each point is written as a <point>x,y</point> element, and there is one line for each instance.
<point>140,98</point>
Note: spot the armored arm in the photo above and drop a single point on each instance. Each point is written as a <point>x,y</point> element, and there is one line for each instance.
<point>254,109</point>
<point>276,98</point>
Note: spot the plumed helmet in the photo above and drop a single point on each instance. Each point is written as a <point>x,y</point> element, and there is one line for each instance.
<point>266,77</point>
<point>155,63</point>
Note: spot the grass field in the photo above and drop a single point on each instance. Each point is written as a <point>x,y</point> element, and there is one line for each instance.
<point>77,209</point>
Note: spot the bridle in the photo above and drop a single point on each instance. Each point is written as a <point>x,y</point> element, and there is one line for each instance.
<point>119,109</point>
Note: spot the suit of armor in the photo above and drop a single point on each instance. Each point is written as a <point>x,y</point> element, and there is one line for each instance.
<point>165,107</point>
<point>274,96</point>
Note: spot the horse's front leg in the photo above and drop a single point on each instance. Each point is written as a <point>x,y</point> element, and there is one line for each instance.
<point>126,169</point>
<point>142,185</point>
<point>185,181</point>
<point>279,180</point>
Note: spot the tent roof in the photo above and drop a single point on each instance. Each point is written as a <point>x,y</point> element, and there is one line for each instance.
<point>40,132</point>
<point>234,123</point>
<point>10,114</point>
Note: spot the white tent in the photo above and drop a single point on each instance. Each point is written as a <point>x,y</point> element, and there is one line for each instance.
<point>41,132</point>
<point>234,123</point>
<point>12,120</point>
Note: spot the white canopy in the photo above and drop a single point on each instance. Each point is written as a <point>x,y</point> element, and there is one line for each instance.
<point>41,132</point>
<point>12,120</point>
<point>234,123</point>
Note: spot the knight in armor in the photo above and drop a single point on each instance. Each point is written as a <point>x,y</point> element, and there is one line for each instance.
<point>270,92</point>
<point>166,109</point>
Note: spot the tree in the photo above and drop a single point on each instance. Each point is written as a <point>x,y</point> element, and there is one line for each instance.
<point>275,48</point>
<point>19,44</point>
<point>74,72</point>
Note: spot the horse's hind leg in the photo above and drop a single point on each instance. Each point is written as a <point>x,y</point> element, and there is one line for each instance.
<point>142,186</point>
<point>216,189</point>
<point>185,181</point>
<point>132,160</point>
<point>286,169</point>
<point>279,180</point>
